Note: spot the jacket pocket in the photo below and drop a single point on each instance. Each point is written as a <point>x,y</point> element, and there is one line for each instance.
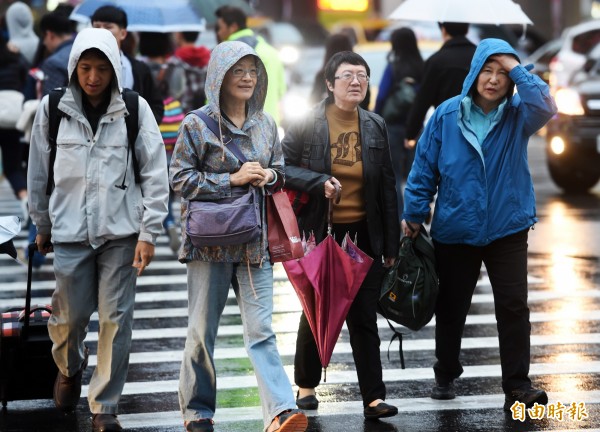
<point>377,151</point>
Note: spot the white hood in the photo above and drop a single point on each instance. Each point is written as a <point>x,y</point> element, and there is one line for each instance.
<point>100,39</point>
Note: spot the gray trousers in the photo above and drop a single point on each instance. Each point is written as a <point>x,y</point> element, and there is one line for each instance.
<point>88,279</point>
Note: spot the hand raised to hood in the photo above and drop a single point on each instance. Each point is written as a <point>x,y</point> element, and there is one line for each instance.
<point>507,61</point>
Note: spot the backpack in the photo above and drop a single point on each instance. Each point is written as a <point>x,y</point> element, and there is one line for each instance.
<point>173,111</point>
<point>410,287</point>
<point>193,96</point>
<point>399,101</point>
<point>131,121</point>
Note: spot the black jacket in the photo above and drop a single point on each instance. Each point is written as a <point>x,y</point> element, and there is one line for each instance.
<point>443,77</point>
<point>144,84</point>
<point>310,174</point>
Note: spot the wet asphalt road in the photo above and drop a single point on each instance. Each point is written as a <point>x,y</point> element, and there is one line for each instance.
<point>564,257</point>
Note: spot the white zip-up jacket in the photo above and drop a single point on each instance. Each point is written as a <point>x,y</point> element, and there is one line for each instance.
<point>85,206</point>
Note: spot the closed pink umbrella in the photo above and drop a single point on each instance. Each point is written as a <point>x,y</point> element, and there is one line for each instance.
<point>326,280</point>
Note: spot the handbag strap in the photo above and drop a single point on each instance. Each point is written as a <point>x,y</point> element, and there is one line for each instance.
<point>223,133</point>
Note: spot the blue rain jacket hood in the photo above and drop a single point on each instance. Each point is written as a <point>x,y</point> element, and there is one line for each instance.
<point>485,191</point>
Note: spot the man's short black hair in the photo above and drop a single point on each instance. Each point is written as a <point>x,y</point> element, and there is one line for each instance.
<point>455,29</point>
<point>232,15</point>
<point>56,22</point>
<point>190,36</point>
<point>153,44</point>
<point>111,14</point>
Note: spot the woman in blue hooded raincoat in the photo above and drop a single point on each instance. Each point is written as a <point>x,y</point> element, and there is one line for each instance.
<point>473,154</point>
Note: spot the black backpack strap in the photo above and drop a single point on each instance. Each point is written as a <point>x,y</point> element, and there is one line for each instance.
<point>54,117</point>
<point>397,335</point>
<point>223,132</point>
<point>132,104</point>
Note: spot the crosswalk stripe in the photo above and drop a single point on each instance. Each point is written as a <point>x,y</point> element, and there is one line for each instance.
<point>341,347</point>
<point>461,403</point>
<point>181,295</point>
<point>349,377</point>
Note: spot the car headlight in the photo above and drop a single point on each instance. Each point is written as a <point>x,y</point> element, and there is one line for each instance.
<point>557,145</point>
<point>568,102</point>
<point>294,107</point>
<point>289,55</point>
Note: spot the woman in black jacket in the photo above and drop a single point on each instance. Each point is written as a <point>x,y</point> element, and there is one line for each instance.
<point>340,145</point>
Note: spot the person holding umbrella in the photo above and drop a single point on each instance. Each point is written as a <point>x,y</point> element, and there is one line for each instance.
<point>473,155</point>
<point>203,168</point>
<point>340,145</point>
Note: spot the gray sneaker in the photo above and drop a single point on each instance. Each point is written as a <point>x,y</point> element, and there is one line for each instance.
<point>174,238</point>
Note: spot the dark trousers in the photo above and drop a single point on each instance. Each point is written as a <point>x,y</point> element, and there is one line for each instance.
<point>362,326</point>
<point>458,265</point>
<point>12,159</point>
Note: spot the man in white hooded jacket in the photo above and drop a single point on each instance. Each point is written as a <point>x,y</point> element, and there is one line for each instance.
<point>101,225</point>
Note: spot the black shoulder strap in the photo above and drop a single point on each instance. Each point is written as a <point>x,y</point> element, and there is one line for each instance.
<point>228,140</point>
<point>131,99</point>
<point>131,121</point>
<point>54,117</point>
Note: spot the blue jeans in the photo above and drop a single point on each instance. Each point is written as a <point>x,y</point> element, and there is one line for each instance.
<point>208,286</point>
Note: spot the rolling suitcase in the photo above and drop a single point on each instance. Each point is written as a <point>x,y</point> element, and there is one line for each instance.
<point>27,369</point>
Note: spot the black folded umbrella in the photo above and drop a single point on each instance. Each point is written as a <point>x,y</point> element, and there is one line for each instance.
<point>9,248</point>
<point>9,228</point>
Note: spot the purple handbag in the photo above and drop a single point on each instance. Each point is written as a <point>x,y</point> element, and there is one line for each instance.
<point>228,221</point>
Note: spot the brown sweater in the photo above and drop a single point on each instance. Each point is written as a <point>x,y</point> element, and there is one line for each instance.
<point>346,164</point>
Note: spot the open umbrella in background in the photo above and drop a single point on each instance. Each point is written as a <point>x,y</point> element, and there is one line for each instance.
<point>162,16</point>
<point>326,280</point>
<point>10,226</point>
<point>207,8</point>
<point>465,11</point>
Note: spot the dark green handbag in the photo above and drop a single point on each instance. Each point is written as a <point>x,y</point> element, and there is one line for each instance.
<point>410,287</point>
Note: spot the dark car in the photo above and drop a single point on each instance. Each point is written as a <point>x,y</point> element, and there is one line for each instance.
<point>573,135</point>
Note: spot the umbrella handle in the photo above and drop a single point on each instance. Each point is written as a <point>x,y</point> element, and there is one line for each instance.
<point>335,198</point>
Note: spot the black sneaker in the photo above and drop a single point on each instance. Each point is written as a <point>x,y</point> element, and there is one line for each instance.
<point>528,396</point>
<point>443,390</point>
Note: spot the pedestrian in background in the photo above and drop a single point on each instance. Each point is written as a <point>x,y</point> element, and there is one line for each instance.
<point>135,73</point>
<point>157,50</point>
<point>194,60</point>
<point>443,76</point>
<point>13,73</point>
<point>203,169</point>
<point>348,149</point>
<point>19,21</point>
<point>473,154</point>
<point>405,64</point>
<point>57,36</point>
<point>335,43</point>
<point>102,227</point>
<point>232,25</point>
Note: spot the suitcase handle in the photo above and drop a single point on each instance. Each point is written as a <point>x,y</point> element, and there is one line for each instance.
<point>31,250</point>
<point>36,308</point>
